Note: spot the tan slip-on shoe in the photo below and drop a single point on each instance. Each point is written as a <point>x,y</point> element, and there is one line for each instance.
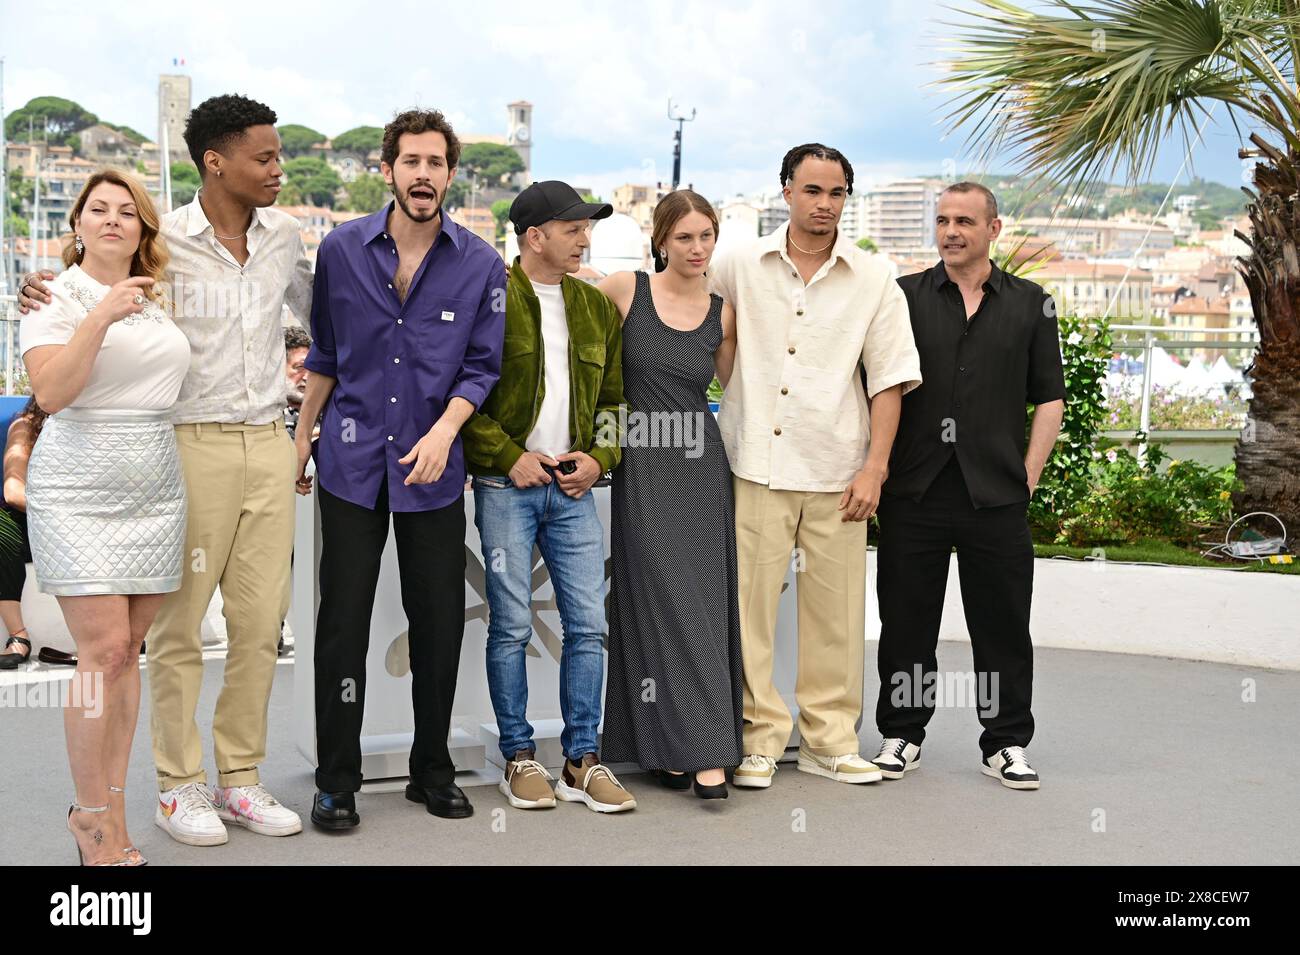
<point>525,784</point>
<point>594,784</point>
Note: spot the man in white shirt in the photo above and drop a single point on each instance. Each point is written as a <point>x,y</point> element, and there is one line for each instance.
<point>234,264</point>
<point>809,449</point>
<point>535,448</point>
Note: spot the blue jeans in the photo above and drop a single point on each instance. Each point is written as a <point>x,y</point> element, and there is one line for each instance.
<point>510,521</point>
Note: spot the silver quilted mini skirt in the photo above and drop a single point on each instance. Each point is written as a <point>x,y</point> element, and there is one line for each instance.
<point>106,503</point>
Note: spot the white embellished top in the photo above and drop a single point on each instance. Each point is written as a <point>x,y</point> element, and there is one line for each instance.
<point>143,359</point>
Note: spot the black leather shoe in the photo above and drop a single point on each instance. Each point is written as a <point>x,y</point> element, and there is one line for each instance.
<point>446,801</point>
<point>12,659</point>
<point>56,657</point>
<point>677,781</point>
<point>717,791</point>
<point>335,811</point>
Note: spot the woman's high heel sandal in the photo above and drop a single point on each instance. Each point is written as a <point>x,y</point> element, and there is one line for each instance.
<point>130,850</point>
<point>81,859</point>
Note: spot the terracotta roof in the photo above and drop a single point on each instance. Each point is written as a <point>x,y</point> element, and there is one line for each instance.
<point>1195,305</point>
<point>1064,268</point>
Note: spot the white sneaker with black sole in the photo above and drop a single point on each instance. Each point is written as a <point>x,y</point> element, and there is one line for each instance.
<point>897,757</point>
<point>1011,766</point>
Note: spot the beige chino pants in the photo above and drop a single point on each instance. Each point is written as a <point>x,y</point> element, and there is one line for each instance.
<point>239,537</point>
<point>774,529</point>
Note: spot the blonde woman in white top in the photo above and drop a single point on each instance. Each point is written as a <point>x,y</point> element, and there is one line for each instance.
<point>106,500</point>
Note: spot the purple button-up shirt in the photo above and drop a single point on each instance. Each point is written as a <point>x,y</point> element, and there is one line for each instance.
<point>399,363</point>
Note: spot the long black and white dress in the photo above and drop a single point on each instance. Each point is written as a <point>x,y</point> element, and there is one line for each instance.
<point>673,693</point>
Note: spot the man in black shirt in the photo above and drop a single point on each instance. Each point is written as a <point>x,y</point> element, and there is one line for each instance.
<point>960,476</point>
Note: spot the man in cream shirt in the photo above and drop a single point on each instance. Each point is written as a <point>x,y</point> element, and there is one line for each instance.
<point>234,264</point>
<point>809,451</point>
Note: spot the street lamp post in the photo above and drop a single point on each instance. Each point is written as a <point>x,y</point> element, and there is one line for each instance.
<point>679,119</point>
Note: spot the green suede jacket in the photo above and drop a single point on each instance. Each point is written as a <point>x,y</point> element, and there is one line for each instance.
<point>494,436</point>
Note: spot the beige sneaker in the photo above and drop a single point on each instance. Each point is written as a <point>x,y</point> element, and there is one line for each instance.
<point>594,784</point>
<point>850,768</point>
<point>754,772</point>
<point>525,784</point>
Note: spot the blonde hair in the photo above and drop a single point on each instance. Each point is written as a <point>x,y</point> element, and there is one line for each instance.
<point>151,256</point>
<point>671,209</point>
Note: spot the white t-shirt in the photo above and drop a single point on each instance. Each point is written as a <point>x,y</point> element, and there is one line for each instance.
<point>551,433</point>
<point>143,358</point>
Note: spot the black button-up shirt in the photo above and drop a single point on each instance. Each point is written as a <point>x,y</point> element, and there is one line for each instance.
<point>977,377</point>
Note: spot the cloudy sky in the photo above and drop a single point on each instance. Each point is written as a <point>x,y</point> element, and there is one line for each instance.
<point>762,75</point>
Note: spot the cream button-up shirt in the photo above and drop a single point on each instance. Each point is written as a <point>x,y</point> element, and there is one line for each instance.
<point>231,314</point>
<point>794,415</point>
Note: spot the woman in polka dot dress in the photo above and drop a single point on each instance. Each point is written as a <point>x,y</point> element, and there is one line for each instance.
<point>673,692</point>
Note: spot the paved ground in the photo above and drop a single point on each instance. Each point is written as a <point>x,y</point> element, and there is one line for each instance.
<point>1163,756</point>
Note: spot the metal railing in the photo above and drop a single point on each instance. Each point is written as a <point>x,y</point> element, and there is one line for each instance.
<point>1247,339</point>
<point>12,361</point>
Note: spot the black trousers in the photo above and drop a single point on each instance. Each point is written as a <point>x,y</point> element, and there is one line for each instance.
<point>995,561</point>
<point>431,565</point>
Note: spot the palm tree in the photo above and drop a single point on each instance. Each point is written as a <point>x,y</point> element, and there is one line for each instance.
<point>1086,89</point>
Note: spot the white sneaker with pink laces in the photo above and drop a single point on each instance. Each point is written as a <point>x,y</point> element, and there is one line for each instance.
<point>255,809</point>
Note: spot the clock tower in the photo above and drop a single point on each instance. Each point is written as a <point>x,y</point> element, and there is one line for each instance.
<point>519,134</point>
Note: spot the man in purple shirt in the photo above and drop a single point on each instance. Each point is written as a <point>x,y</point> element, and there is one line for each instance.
<point>407,319</point>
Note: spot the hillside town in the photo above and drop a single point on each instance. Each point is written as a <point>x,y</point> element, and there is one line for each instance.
<point>1176,270</point>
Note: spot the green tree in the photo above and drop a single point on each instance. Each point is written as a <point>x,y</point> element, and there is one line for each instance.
<point>1080,88</point>
<point>359,141</point>
<point>457,194</point>
<point>491,162</point>
<point>501,212</point>
<point>52,118</point>
<point>867,244</point>
<point>185,182</point>
<point>290,194</point>
<point>298,140</point>
<point>20,192</point>
<point>367,193</point>
<point>316,183</point>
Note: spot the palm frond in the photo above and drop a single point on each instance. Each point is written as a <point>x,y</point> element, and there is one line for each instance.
<point>1093,88</point>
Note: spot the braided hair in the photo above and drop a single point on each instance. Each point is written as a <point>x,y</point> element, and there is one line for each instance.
<point>817,151</point>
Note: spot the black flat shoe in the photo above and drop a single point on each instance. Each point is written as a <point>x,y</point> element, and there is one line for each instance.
<point>12,661</point>
<point>56,657</point>
<point>678,781</point>
<point>446,801</point>
<point>335,811</point>
<point>717,791</point>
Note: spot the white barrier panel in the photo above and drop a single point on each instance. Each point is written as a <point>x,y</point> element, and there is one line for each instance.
<point>387,724</point>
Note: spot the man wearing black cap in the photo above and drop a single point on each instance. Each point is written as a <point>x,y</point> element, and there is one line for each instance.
<point>534,453</point>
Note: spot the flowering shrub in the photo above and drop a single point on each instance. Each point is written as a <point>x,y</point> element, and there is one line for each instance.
<point>1089,495</point>
<point>1129,500</point>
<point>1171,411</point>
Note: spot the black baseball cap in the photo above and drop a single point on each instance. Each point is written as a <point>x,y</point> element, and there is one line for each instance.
<point>545,201</point>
